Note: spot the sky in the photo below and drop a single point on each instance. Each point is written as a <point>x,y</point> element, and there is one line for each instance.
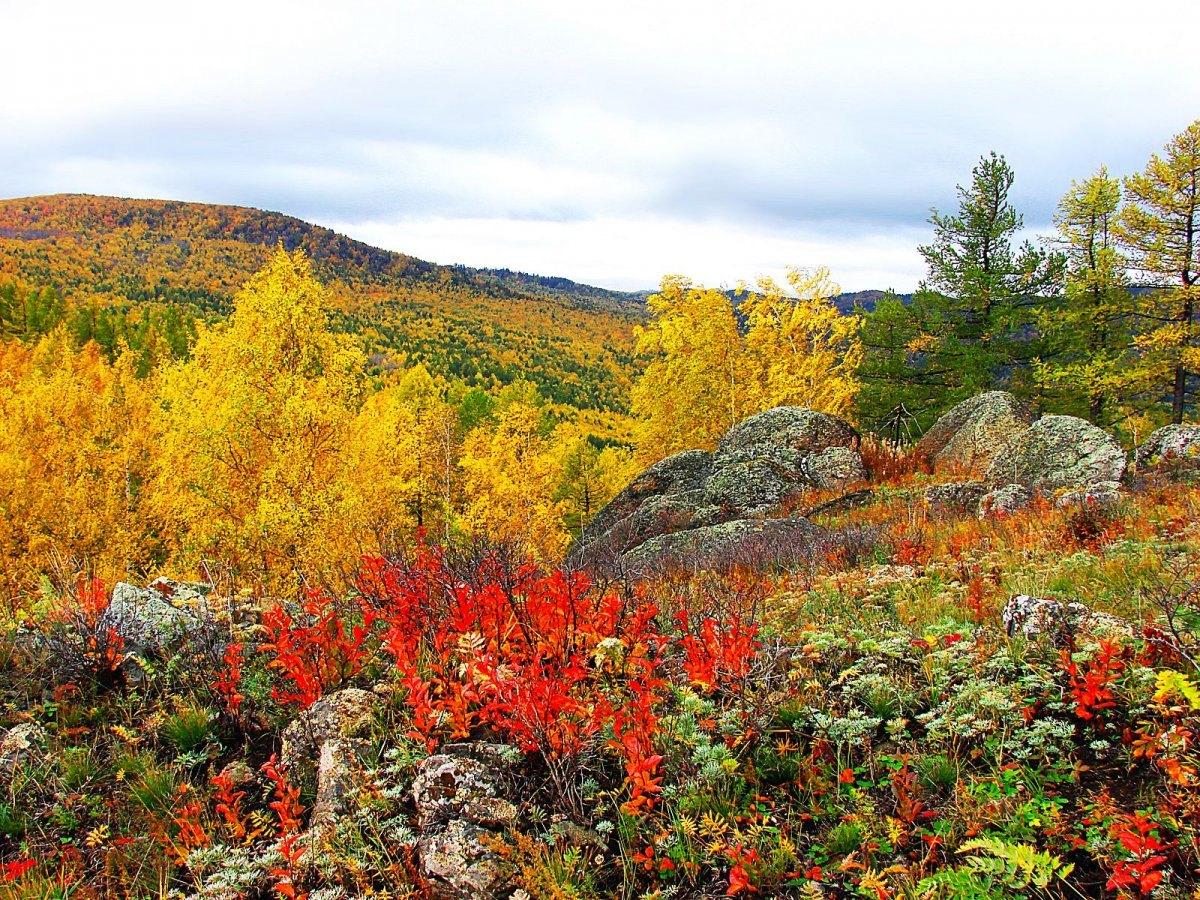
<point>607,142</point>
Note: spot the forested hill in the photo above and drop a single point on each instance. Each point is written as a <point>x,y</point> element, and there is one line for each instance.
<point>485,326</point>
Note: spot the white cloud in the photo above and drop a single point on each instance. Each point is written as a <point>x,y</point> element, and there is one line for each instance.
<point>757,130</point>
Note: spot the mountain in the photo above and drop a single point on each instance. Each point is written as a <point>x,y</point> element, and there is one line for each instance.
<point>487,326</point>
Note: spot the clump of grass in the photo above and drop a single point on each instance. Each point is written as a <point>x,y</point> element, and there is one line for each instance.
<point>188,730</point>
<point>938,771</point>
<point>843,839</point>
<point>155,791</point>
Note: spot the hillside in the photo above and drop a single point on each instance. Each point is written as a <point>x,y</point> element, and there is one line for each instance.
<point>485,326</point>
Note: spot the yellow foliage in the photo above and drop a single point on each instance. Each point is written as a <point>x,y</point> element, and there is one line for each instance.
<point>706,376</point>
<point>252,432</point>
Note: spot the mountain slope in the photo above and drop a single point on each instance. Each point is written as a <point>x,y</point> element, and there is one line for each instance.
<point>485,326</point>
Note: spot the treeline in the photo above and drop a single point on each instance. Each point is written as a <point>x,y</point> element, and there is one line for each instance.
<point>1099,321</point>
<point>270,449</point>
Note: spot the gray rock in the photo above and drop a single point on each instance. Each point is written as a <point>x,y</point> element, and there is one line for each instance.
<point>744,541</point>
<point>968,437</point>
<point>692,502</point>
<point>1035,617</point>
<point>460,864</point>
<point>956,496</point>
<point>20,744</point>
<point>1004,501</point>
<point>459,796</point>
<point>769,458</point>
<point>1059,452</point>
<point>450,787</point>
<point>659,500</point>
<point>328,736</point>
<point>1173,450</point>
<point>1103,496</point>
<point>155,617</point>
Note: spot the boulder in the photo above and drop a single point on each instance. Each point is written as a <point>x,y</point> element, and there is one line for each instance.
<point>766,460</point>
<point>459,796</point>
<point>459,863</point>
<point>697,502</point>
<point>1035,617</point>
<point>1173,450</point>
<point>955,496</point>
<point>20,744</point>
<point>722,546</point>
<point>968,437</point>
<point>155,617</point>
<point>1103,496</point>
<point>1004,501</point>
<point>1059,452</point>
<point>328,736</point>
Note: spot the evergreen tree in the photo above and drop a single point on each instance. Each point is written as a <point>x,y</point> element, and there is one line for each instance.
<point>1160,230</point>
<point>981,292</point>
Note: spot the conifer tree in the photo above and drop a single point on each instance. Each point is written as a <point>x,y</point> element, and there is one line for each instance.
<point>1160,231</point>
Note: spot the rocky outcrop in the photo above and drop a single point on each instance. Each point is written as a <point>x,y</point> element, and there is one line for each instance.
<point>694,501</point>
<point>1058,452</point>
<point>1004,501</point>
<point>1035,617</point>
<point>1102,496</point>
<point>461,804</point>
<point>155,617</point>
<point>955,496</point>
<point>770,542</point>
<point>969,437</point>
<point>328,736</point>
<point>1173,451</point>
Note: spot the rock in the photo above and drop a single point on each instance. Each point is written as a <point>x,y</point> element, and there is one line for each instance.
<point>460,805</point>
<point>457,787</point>
<point>956,496</point>
<point>1034,617</point>
<point>460,864</point>
<point>968,437</point>
<point>759,470</point>
<point>156,617</point>
<point>663,498</point>
<point>20,744</point>
<point>1102,496</point>
<point>769,458</point>
<point>1004,501</point>
<point>1173,450</point>
<point>1059,452</point>
<point>329,736</point>
<point>755,541</point>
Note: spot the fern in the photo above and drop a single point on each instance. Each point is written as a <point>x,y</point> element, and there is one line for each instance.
<point>1002,870</point>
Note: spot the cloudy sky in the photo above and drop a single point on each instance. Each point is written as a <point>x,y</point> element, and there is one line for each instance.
<point>609,142</point>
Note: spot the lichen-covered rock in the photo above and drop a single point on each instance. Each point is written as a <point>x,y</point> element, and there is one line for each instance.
<point>157,616</point>
<point>1059,452</point>
<point>450,786</point>
<point>955,496</point>
<point>1173,450</point>
<point>1004,501</point>
<point>1035,617</point>
<point>693,502</point>
<point>968,438</point>
<point>1103,496</point>
<point>328,737</point>
<point>460,864</point>
<point>770,457</point>
<point>663,498</point>
<point>20,744</point>
<point>459,796</point>
<point>743,541</point>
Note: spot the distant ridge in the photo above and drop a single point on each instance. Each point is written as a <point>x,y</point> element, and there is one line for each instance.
<point>488,327</point>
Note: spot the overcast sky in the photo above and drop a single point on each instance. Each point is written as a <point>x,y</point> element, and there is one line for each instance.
<point>606,141</point>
